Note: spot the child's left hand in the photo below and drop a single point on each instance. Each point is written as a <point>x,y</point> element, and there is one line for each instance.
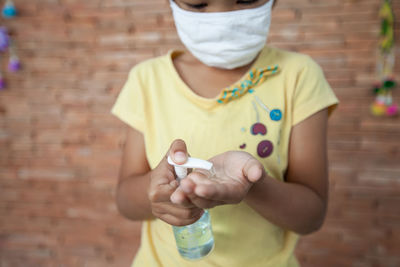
<point>235,173</point>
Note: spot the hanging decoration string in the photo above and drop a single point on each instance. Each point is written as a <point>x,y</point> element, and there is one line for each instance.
<point>7,44</point>
<point>383,104</point>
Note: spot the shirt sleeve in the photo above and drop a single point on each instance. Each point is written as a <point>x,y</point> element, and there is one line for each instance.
<point>312,93</point>
<point>129,106</point>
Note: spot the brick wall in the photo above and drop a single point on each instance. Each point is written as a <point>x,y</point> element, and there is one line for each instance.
<point>60,148</point>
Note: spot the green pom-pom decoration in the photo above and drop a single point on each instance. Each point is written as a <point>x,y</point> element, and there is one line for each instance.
<point>389,84</point>
<point>385,27</point>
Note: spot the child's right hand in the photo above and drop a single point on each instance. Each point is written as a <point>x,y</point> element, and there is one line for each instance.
<point>163,183</point>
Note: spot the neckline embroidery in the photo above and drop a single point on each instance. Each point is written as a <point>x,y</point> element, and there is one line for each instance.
<point>253,78</point>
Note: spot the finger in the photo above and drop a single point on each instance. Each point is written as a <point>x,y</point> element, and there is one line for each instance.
<point>253,170</point>
<point>177,215</point>
<point>204,203</point>
<point>189,187</point>
<point>170,219</point>
<point>179,197</point>
<point>206,188</point>
<point>162,192</point>
<point>217,192</point>
<point>176,210</point>
<point>178,151</point>
<point>162,175</point>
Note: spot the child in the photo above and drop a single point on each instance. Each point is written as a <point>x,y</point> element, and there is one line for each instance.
<point>258,113</point>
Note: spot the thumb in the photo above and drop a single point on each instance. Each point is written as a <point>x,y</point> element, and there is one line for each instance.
<point>253,170</point>
<point>178,151</point>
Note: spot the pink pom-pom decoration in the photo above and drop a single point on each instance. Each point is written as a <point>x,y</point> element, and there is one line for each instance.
<point>392,110</point>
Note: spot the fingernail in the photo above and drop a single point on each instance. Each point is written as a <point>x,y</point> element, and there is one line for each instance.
<point>180,157</point>
<point>173,199</point>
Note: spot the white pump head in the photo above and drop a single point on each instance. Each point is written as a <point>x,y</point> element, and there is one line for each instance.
<point>181,169</point>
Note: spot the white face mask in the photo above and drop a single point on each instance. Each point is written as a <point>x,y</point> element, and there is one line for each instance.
<point>224,39</point>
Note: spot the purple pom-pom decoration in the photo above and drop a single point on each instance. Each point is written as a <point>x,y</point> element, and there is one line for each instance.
<point>14,65</point>
<point>2,84</point>
<point>4,39</point>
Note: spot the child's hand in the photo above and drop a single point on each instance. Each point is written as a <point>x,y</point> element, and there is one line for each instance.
<point>235,173</point>
<point>163,184</point>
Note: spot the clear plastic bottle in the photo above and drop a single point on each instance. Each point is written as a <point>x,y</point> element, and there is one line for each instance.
<point>196,240</point>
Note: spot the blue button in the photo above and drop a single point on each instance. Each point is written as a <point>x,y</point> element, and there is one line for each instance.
<point>276,115</point>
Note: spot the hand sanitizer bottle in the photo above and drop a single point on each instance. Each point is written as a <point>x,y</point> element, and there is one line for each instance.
<point>194,241</point>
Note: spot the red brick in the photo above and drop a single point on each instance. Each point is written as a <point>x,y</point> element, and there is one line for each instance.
<point>60,148</point>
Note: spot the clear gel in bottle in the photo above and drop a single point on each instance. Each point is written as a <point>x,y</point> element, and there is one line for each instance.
<point>196,240</point>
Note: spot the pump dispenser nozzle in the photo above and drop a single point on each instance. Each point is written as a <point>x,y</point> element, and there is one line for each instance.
<point>181,169</point>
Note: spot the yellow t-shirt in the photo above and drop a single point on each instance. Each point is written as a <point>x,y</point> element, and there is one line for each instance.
<point>158,103</point>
